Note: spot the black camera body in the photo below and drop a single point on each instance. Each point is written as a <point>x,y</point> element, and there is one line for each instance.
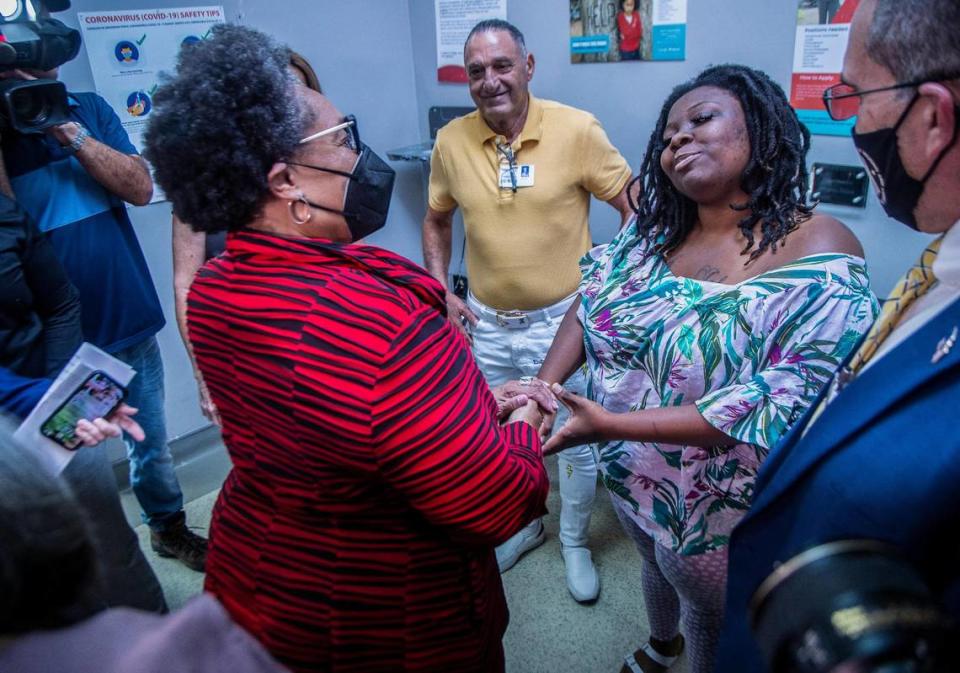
<point>852,606</point>
<point>32,40</point>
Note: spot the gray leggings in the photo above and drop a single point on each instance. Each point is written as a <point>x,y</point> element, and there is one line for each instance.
<point>681,589</point>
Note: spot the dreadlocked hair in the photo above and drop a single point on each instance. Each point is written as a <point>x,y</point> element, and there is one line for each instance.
<point>775,178</point>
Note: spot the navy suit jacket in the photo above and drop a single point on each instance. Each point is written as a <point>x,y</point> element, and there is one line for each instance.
<point>882,462</point>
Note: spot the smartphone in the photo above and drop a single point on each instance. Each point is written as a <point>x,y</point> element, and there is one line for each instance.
<point>97,397</point>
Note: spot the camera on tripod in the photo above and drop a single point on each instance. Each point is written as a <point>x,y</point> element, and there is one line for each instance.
<point>30,39</point>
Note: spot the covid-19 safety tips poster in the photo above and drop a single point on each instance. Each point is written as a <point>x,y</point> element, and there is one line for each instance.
<point>823,30</point>
<point>129,49</point>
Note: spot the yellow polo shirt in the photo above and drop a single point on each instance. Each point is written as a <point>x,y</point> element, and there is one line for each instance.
<point>524,248</point>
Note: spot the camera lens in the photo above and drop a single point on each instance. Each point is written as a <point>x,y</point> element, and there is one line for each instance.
<point>29,107</point>
<point>851,606</point>
<point>34,105</point>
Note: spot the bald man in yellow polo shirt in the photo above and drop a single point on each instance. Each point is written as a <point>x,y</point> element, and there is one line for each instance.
<point>522,170</point>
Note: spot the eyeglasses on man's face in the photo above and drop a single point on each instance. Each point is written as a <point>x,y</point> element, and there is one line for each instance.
<point>352,133</point>
<point>843,100</point>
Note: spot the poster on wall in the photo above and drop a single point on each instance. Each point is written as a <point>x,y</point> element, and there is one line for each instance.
<point>455,18</point>
<point>607,31</point>
<point>823,29</point>
<point>128,50</point>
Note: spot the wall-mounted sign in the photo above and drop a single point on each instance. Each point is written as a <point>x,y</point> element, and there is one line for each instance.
<point>823,29</point>
<point>607,31</point>
<point>128,50</point>
<point>839,185</point>
<point>455,19</point>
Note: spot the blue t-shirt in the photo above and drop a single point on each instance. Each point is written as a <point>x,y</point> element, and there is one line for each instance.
<point>88,226</point>
<point>18,394</point>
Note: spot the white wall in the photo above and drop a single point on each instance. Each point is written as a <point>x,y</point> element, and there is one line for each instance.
<point>361,52</point>
<point>377,59</point>
<point>626,97</point>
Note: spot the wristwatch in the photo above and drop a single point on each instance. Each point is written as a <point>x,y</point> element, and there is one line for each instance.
<point>78,140</point>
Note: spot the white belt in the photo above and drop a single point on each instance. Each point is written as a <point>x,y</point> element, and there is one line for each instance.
<point>519,319</point>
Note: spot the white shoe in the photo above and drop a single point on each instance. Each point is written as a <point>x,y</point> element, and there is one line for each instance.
<point>582,578</point>
<point>529,537</point>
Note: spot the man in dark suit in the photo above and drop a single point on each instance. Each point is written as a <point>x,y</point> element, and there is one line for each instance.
<point>879,455</point>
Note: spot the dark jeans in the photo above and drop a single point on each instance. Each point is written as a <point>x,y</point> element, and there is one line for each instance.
<point>125,576</point>
<point>630,55</point>
<point>151,466</point>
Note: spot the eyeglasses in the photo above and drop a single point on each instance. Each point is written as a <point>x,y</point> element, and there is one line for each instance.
<point>507,153</point>
<point>843,101</point>
<point>353,135</point>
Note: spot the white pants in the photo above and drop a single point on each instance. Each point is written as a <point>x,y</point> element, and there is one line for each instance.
<point>504,354</point>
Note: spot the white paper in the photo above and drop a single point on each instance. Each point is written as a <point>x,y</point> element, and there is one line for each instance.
<point>820,49</point>
<point>455,20</point>
<point>84,362</point>
<point>669,12</point>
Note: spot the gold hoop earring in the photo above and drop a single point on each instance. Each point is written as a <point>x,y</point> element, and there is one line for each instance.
<point>293,216</point>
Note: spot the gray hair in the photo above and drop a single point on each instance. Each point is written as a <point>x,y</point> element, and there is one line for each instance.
<point>916,39</point>
<point>491,25</point>
<point>48,570</point>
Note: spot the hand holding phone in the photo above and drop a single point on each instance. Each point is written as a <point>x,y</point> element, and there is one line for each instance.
<point>97,397</point>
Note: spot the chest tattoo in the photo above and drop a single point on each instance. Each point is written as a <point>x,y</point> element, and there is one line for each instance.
<point>710,273</point>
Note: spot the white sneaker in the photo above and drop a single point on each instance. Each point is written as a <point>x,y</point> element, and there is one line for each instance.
<point>529,537</point>
<point>582,578</point>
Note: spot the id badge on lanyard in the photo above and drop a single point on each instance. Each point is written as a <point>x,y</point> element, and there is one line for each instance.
<point>523,176</point>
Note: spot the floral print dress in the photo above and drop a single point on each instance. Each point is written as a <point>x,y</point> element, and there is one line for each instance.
<point>751,356</point>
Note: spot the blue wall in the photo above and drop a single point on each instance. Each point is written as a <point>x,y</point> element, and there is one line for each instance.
<point>377,59</point>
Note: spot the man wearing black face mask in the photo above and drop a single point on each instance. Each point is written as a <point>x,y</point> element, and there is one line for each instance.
<point>877,457</point>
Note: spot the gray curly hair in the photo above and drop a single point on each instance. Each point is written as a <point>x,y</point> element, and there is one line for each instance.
<point>220,123</point>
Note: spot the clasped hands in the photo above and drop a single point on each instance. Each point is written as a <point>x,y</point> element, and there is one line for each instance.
<point>536,402</point>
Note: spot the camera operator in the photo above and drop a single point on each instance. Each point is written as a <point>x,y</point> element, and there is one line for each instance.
<point>73,179</point>
<point>39,331</point>
<point>878,457</point>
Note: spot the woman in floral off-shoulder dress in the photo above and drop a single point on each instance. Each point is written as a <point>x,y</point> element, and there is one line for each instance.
<point>708,325</point>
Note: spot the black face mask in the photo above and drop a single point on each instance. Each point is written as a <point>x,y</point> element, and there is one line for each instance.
<point>898,192</point>
<point>368,193</point>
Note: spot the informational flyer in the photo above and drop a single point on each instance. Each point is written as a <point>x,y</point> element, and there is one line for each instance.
<point>608,31</point>
<point>455,19</point>
<point>823,30</point>
<point>128,50</point>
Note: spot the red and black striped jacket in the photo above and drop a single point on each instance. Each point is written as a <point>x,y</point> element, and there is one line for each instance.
<point>370,478</point>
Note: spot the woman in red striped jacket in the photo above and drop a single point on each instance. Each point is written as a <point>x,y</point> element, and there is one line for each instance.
<point>371,478</point>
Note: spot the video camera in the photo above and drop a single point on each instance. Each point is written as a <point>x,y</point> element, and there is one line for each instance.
<point>29,38</point>
<point>852,606</point>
